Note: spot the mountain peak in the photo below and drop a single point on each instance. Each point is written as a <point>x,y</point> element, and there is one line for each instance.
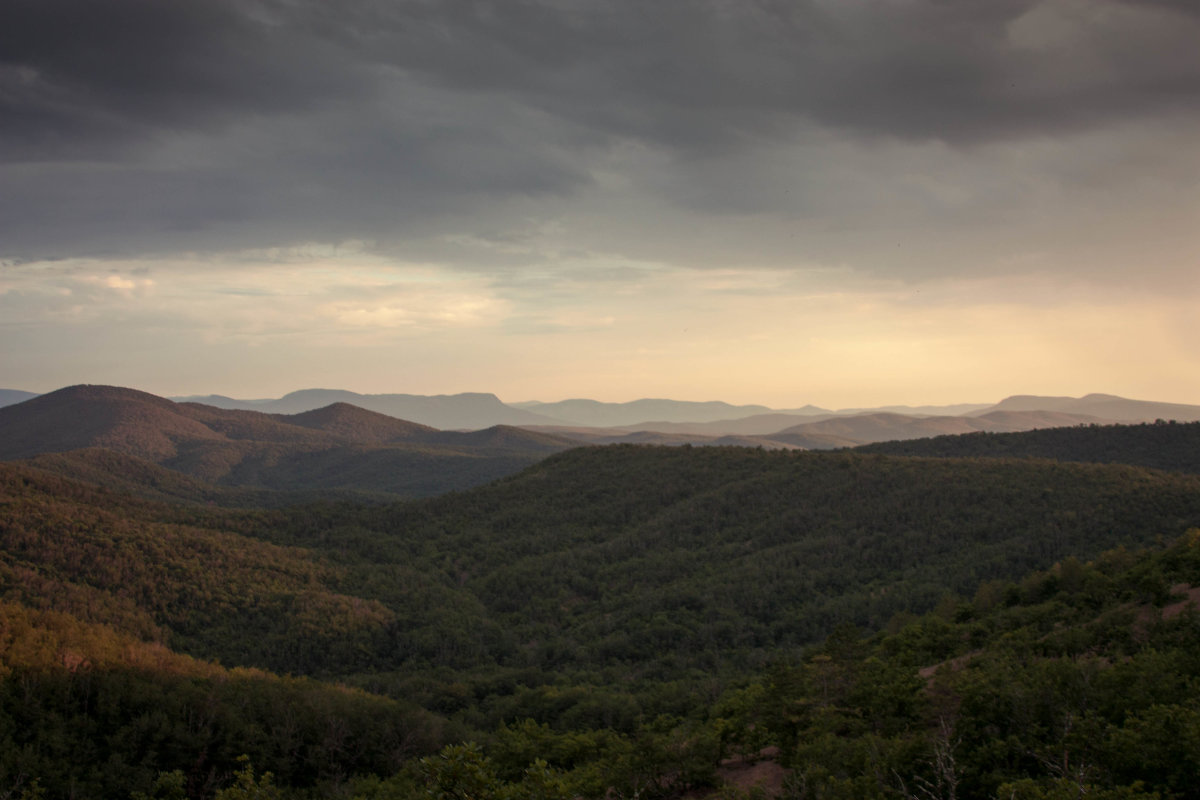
<point>85,415</point>
<point>357,424</point>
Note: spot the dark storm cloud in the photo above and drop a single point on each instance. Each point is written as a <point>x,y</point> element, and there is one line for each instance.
<point>708,72</point>
<point>130,125</point>
<point>81,77</point>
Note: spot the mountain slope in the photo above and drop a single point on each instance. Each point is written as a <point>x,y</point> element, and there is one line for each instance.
<point>111,559</point>
<point>592,557</point>
<point>1173,446</point>
<point>1079,681</point>
<point>119,419</point>
<point>603,589</point>
<point>360,426</point>
<point>598,556</point>
<point>144,479</point>
<point>95,712</point>
<point>867,428</point>
<point>339,448</point>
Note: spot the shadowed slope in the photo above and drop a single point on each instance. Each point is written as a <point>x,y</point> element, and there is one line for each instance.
<point>119,419</point>
<point>1172,446</point>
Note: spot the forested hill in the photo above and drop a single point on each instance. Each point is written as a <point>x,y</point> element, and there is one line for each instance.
<point>607,595</point>
<point>612,622</point>
<point>1161,445</point>
<point>608,556</point>
<point>594,557</point>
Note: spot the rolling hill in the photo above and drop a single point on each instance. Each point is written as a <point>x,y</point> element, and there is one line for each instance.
<point>469,411</point>
<point>868,428</point>
<point>358,425</point>
<point>124,420</point>
<point>573,562</point>
<point>1169,446</point>
<point>628,614</point>
<point>339,447</point>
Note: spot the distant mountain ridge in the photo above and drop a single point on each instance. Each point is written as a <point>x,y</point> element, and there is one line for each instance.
<point>596,414</point>
<point>471,410</point>
<point>10,397</point>
<point>704,422</point>
<point>339,447</point>
<point>1106,406</point>
<point>709,418</point>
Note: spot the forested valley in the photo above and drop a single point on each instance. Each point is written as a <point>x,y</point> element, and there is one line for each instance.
<point>616,621</point>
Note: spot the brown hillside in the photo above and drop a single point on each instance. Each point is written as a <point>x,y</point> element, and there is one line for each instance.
<point>254,426</point>
<point>76,417</point>
<point>358,425</point>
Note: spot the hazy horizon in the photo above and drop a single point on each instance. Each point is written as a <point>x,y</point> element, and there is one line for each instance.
<point>847,204</point>
<point>786,407</point>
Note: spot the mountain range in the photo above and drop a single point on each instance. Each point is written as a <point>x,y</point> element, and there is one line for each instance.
<point>607,622</point>
<point>478,410</point>
<point>646,421</point>
<point>470,410</point>
<point>337,447</point>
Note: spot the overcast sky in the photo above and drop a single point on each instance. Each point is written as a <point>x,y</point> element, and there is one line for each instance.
<point>842,202</point>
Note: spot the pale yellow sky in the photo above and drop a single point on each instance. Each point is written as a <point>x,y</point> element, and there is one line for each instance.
<point>837,202</point>
<point>255,327</point>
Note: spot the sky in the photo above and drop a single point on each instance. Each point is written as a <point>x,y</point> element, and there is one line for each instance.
<point>838,202</point>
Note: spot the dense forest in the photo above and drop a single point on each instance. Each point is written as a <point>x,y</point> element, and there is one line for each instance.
<point>1161,445</point>
<point>617,621</point>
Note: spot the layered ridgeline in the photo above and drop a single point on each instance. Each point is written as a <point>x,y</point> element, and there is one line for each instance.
<point>336,448</point>
<point>660,421</point>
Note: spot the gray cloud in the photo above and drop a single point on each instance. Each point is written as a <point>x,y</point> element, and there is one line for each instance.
<point>135,126</point>
<point>83,79</point>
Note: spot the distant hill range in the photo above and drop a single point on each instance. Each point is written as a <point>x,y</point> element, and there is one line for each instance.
<point>10,397</point>
<point>337,447</point>
<point>662,421</point>
<point>815,429</point>
<point>468,411</point>
<point>825,432</point>
<point>595,414</point>
<point>1106,406</point>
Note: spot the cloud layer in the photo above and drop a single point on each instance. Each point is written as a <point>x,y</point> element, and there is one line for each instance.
<point>529,164</point>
